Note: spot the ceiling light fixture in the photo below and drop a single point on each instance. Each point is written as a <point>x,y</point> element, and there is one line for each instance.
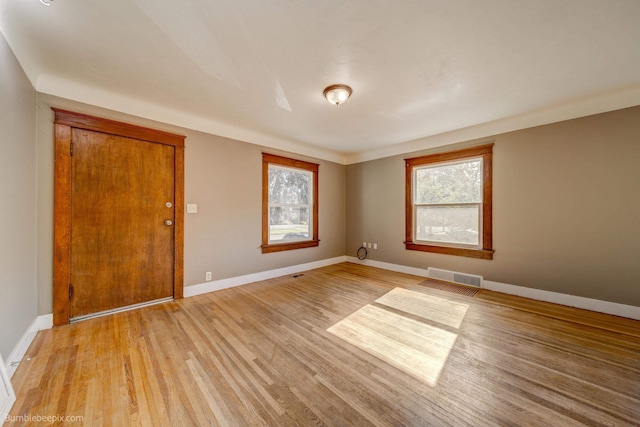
<point>337,94</point>
<point>46,2</point>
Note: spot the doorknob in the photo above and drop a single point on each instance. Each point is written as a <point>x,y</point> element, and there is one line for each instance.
<point>168,222</point>
<point>168,204</point>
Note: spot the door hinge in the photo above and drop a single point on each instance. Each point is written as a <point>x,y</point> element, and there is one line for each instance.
<point>71,149</point>
<point>70,291</point>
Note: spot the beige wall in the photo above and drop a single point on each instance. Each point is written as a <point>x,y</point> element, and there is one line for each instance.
<point>566,209</point>
<point>17,193</point>
<point>223,177</point>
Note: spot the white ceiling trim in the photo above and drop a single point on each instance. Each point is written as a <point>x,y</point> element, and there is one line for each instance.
<point>63,88</point>
<point>626,98</point>
<point>53,85</point>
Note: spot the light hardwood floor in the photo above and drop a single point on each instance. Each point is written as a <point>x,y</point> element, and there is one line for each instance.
<point>261,354</point>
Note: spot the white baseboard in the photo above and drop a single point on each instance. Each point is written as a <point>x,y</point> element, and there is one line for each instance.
<point>7,394</point>
<point>629,311</point>
<point>216,285</point>
<point>623,310</point>
<point>422,272</point>
<point>39,323</point>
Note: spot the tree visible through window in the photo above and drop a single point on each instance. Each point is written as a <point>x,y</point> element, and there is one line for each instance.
<point>290,206</point>
<point>290,195</point>
<point>449,203</point>
<point>448,200</point>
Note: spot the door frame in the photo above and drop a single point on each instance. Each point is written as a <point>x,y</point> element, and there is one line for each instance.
<point>64,122</point>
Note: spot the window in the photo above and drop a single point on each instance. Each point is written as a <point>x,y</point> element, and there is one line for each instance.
<point>289,204</point>
<point>448,202</point>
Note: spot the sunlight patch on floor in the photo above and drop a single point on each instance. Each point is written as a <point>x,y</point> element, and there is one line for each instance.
<point>412,346</point>
<point>428,307</point>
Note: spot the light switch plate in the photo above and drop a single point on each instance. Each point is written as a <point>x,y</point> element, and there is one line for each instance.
<point>192,208</point>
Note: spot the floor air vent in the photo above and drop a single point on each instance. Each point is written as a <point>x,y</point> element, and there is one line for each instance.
<point>452,276</point>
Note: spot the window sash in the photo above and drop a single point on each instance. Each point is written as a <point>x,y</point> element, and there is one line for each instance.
<point>299,171</point>
<point>416,169</point>
<point>417,205</point>
<point>417,239</point>
<point>293,206</point>
<point>284,205</point>
<point>295,230</point>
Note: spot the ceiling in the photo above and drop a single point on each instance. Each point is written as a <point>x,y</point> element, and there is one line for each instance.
<point>423,72</point>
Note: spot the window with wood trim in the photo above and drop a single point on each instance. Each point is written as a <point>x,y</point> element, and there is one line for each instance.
<point>289,204</point>
<point>449,202</point>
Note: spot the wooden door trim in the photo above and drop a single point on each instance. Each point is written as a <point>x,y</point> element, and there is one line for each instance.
<point>97,124</point>
<point>65,121</point>
<point>61,224</point>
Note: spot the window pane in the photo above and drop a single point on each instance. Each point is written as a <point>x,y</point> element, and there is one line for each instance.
<point>450,224</point>
<point>452,183</point>
<point>289,223</point>
<point>289,186</point>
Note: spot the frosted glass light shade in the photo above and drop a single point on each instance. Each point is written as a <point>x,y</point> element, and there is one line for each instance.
<point>337,94</point>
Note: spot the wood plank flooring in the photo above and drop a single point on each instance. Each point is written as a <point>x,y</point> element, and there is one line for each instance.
<point>262,355</point>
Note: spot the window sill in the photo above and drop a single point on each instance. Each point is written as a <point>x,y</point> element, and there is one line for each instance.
<point>448,250</point>
<point>277,247</point>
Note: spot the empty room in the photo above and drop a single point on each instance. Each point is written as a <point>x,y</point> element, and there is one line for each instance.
<point>327,213</point>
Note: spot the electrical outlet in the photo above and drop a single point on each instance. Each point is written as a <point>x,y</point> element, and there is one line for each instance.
<point>369,245</point>
<point>364,244</point>
<point>375,246</point>
<point>207,276</point>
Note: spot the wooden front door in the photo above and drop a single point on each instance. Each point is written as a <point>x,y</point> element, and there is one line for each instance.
<point>122,208</point>
<point>121,222</point>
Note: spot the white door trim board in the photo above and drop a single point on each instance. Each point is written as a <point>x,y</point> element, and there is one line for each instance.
<point>623,310</point>
<point>7,395</point>
<point>40,323</point>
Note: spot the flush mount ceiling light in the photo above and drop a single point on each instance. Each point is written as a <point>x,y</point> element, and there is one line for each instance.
<point>46,2</point>
<point>337,94</point>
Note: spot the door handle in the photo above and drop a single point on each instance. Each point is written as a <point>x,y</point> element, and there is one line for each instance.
<point>168,222</point>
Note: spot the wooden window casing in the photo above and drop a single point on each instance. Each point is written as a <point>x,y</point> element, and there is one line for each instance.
<point>271,159</point>
<point>485,251</point>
